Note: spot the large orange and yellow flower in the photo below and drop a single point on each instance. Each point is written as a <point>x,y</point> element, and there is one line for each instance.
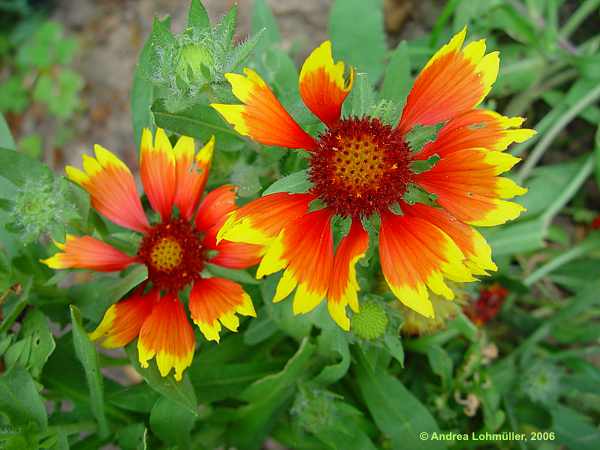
<point>360,166</point>
<point>175,250</point>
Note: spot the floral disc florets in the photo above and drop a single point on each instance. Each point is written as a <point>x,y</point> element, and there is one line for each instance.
<point>361,167</point>
<point>173,253</point>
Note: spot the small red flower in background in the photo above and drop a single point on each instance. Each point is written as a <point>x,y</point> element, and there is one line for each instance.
<point>360,166</point>
<point>175,250</point>
<point>596,223</point>
<point>487,305</point>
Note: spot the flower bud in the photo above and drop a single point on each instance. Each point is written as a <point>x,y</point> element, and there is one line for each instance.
<point>371,321</point>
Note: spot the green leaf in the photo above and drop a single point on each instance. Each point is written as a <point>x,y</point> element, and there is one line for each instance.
<point>295,183</point>
<point>573,429</point>
<point>441,364</point>
<point>180,392</point>
<point>515,24</point>
<point>260,329</point>
<point>64,377</point>
<point>441,21</point>
<point>35,346</point>
<point>172,423</point>
<point>6,276</point>
<point>394,346</point>
<point>86,353</point>
<point>266,398</point>
<point>240,276</point>
<point>263,19</point>
<point>589,66</point>
<point>142,91</point>
<point>546,184</point>
<point>6,139</point>
<point>225,29</point>
<point>132,437</point>
<point>18,168</point>
<point>423,165</point>
<point>20,400</point>
<point>520,237</point>
<point>32,145</point>
<point>18,306</point>
<point>200,122</point>
<point>241,52</point>
<point>362,98</point>
<point>397,79</point>
<point>464,327</point>
<point>282,73</point>
<point>281,313</point>
<point>138,398</point>
<point>93,299</point>
<point>338,425</point>
<point>597,155</point>
<point>397,413</point>
<point>197,16</point>
<point>332,339</point>
<point>420,135</point>
<point>13,95</point>
<point>360,43</point>
<point>224,380</point>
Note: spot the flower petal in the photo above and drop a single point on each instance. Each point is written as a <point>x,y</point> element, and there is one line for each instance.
<point>454,80</point>
<point>86,252</point>
<point>322,84</point>
<point>122,322</point>
<point>477,128</point>
<point>466,185</point>
<point>192,174</point>
<point>416,255</point>
<point>215,207</point>
<point>112,189</point>
<point>217,299</point>
<point>158,172</point>
<point>167,335</point>
<point>262,117</point>
<point>305,249</point>
<point>473,245</point>
<point>343,287</point>
<point>261,220</point>
<point>235,255</point>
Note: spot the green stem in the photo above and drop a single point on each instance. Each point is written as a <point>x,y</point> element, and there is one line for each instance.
<point>422,344</point>
<point>521,102</point>
<point>563,121</point>
<point>73,428</point>
<point>572,307</point>
<point>584,172</point>
<point>512,420</point>
<point>586,8</point>
<point>541,24</point>
<point>441,21</point>
<point>575,252</point>
<point>18,308</point>
<point>574,353</point>
<point>541,128</point>
<point>106,361</point>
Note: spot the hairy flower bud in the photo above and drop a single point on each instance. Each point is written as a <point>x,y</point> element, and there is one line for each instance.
<point>371,322</point>
<point>41,207</point>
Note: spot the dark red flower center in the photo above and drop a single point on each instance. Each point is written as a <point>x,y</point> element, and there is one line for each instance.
<point>173,253</point>
<point>360,167</point>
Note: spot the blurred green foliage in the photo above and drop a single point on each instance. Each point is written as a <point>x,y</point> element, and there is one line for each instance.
<point>37,58</point>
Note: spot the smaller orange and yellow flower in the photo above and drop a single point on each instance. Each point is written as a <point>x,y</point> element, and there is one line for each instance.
<point>175,250</point>
<point>360,167</point>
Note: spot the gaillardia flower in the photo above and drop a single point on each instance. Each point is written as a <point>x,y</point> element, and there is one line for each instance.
<point>361,166</point>
<point>175,250</point>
